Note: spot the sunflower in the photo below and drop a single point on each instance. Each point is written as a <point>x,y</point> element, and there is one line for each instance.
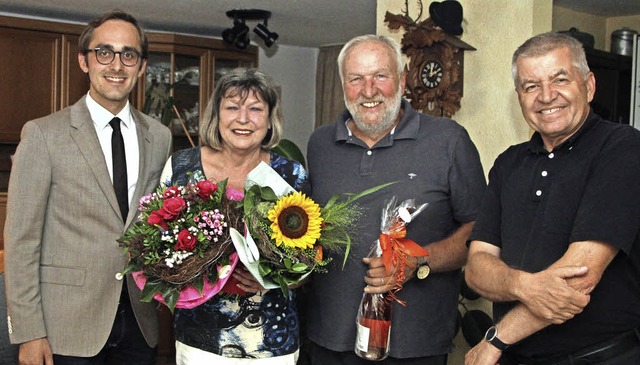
<point>295,221</point>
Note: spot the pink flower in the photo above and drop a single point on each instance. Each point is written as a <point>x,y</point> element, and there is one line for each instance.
<point>172,207</point>
<point>156,218</point>
<point>171,191</point>
<point>186,241</point>
<point>206,188</point>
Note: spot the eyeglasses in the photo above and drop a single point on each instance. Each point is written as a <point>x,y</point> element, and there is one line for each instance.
<point>105,56</point>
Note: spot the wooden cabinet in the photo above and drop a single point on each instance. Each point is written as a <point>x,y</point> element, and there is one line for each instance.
<point>612,99</point>
<point>39,74</point>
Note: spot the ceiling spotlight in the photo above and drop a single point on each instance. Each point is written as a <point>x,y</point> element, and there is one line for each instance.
<point>269,37</point>
<point>238,35</point>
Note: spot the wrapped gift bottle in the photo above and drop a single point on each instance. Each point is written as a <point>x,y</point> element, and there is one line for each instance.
<point>373,325</point>
<point>373,322</point>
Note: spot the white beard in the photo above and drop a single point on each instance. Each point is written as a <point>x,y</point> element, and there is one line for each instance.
<point>387,119</point>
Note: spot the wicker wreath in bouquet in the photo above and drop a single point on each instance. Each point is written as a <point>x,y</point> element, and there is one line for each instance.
<point>180,251</point>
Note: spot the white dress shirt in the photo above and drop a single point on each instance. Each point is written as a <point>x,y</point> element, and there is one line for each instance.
<point>101,118</point>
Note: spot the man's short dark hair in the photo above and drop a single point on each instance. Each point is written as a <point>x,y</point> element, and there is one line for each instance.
<point>116,14</point>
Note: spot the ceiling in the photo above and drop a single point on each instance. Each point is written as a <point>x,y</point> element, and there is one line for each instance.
<point>304,23</point>
<point>606,8</point>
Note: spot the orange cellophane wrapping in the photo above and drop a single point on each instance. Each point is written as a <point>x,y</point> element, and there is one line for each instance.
<point>396,249</point>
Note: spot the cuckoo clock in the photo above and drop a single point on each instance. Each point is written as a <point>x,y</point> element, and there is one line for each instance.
<point>436,65</point>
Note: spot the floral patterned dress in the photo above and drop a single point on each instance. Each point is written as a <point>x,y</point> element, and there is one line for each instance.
<point>255,326</point>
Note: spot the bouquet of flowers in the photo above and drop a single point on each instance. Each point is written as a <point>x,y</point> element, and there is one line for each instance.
<point>180,252</point>
<point>287,232</point>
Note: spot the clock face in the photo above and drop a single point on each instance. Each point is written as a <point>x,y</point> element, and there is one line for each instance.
<point>431,74</point>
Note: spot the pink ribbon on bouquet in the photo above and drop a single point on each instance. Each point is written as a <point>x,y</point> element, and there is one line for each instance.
<point>190,297</point>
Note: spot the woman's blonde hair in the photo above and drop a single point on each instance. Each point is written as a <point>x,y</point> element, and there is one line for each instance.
<point>239,82</point>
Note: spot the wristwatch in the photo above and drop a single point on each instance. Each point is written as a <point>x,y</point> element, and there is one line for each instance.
<point>423,268</point>
<point>492,337</point>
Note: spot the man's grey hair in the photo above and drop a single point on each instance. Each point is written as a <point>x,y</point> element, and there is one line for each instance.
<point>544,43</point>
<point>389,42</point>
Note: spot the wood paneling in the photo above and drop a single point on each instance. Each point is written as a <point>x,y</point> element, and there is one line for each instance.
<point>74,83</point>
<point>29,70</point>
<point>40,75</point>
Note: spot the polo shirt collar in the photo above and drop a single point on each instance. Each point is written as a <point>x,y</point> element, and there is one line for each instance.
<point>537,146</point>
<point>408,127</point>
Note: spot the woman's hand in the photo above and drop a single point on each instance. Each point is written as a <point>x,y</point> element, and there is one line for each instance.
<point>246,281</point>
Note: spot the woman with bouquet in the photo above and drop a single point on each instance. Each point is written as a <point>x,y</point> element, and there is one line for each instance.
<point>242,121</point>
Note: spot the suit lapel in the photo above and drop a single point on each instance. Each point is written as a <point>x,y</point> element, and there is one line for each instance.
<point>145,155</point>
<point>84,134</point>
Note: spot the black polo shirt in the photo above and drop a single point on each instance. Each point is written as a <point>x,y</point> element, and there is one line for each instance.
<point>539,202</point>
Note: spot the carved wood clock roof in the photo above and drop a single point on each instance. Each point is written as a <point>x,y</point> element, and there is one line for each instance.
<point>435,69</point>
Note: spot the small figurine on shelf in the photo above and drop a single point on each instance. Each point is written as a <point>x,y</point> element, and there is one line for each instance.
<point>191,118</point>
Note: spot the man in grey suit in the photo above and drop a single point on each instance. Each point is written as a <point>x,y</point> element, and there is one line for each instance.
<point>67,301</point>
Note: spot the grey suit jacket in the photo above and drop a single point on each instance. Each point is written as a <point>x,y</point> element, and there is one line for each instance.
<point>62,258</point>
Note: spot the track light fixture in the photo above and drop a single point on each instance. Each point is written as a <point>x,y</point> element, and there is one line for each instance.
<point>267,36</point>
<point>238,36</point>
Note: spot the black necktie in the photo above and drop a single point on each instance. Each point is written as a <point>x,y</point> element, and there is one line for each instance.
<point>119,168</point>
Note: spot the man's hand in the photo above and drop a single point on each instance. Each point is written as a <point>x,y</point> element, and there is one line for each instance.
<point>378,281</point>
<point>548,295</point>
<point>483,353</point>
<point>553,295</point>
<point>35,352</point>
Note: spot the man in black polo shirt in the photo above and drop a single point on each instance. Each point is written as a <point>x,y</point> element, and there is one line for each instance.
<point>556,245</point>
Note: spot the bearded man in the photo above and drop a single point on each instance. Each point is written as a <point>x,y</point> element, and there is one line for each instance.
<point>379,139</point>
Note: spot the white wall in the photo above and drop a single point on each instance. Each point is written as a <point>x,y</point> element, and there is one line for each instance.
<point>565,19</point>
<point>294,70</point>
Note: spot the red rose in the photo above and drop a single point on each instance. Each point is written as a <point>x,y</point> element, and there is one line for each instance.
<point>172,207</point>
<point>206,188</point>
<point>186,241</point>
<point>155,218</point>
<point>171,191</point>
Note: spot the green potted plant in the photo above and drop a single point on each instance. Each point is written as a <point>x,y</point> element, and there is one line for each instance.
<point>290,150</point>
